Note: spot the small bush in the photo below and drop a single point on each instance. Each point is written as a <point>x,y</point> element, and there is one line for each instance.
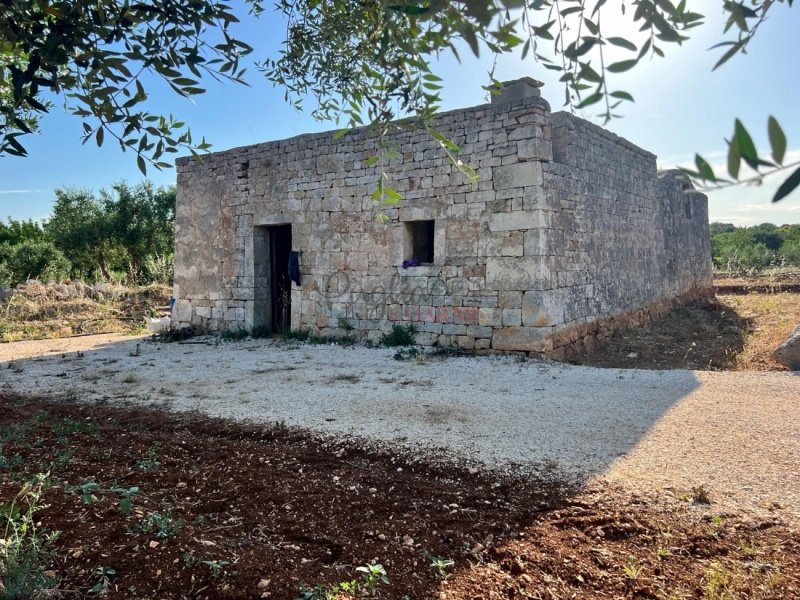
<point>234,334</point>
<point>399,336</point>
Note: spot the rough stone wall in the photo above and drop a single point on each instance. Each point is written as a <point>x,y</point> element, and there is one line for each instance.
<point>567,229</point>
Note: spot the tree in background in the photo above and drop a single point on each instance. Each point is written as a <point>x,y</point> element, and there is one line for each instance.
<point>753,249</point>
<point>15,231</point>
<point>117,231</point>
<point>32,259</point>
<point>140,220</point>
<point>80,228</point>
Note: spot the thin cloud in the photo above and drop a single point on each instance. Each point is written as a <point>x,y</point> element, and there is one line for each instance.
<point>23,191</point>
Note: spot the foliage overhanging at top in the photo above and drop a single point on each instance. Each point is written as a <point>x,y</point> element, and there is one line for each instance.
<point>364,61</point>
<point>95,54</point>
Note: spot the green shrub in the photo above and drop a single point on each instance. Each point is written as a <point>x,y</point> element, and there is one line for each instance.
<point>157,268</point>
<point>400,336</point>
<point>32,260</point>
<point>790,251</point>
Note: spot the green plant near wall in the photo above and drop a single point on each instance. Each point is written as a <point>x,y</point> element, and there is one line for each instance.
<point>400,335</point>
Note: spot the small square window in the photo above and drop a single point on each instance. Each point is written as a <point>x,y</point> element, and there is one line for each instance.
<point>419,236</point>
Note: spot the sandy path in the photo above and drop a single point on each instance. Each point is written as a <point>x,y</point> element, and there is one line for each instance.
<point>735,434</point>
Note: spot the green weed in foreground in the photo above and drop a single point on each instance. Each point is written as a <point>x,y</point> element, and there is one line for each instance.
<point>163,525</point>
<point>371,577</point>
<point>25,550</point>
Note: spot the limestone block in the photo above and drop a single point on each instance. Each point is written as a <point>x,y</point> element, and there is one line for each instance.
<point>543,309</point>
<point>521,219</point>
<point>503,244</point>
<point>453,329</point>
<point>536,242</point>
<point>483,344</point>
<point>788,353</point>
<point>528,339</point>
<point>512,316</point>
<point>507,299</point>
<point>182,311</point>
<point>517,175</point>
<point>492,317</point>
<point>465,342</point>
<point>534,149</point>
<point>524,273</point>
<point>477,331</point>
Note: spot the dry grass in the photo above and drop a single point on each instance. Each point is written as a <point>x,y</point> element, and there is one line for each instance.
<point>25,318</point>
<point>771,318</point>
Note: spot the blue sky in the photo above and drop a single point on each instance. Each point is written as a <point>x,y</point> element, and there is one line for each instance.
<point>681,108</point>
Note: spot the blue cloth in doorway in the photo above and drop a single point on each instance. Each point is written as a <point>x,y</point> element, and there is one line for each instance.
<point>294,266</point>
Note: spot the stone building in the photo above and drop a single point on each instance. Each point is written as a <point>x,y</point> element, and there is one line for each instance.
<point>568,233</point>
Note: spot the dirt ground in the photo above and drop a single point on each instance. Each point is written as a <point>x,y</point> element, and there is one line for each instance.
<point>154,504</point>
<point>219,510</point>
<point>737,332</point>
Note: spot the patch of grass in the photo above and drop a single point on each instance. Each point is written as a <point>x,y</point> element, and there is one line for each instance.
<point>400,335</point>
<point>163,525</point>
<point>7,463</point>
<point>771,318</point>
<point>150,461</point>
<point>633,570</point>
<point>719,583</point>
<point>130,378</point>
<point>298,335</point>
<point>234,335</point>
<point>23,317</point>
<point>66,427</point>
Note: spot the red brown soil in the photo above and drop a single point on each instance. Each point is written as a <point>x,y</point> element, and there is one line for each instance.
<point>278,507</point>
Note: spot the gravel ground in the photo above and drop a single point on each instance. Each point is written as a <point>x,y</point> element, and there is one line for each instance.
<point>735,434</point>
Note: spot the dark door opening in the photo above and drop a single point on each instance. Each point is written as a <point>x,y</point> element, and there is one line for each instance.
<point>273,288</point>
<point>280,241</point>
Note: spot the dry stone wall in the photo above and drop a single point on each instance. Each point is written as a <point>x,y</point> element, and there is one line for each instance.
<point>568,232</point>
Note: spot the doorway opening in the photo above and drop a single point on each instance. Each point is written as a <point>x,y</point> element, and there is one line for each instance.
<point>272,307</point>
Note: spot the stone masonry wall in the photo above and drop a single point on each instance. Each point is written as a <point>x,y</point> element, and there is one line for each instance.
<point>567,229</point>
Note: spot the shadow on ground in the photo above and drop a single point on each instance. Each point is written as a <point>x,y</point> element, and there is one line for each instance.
<point>707,336</point>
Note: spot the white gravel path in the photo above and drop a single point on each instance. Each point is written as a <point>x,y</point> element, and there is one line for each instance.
<point>735,434</point>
